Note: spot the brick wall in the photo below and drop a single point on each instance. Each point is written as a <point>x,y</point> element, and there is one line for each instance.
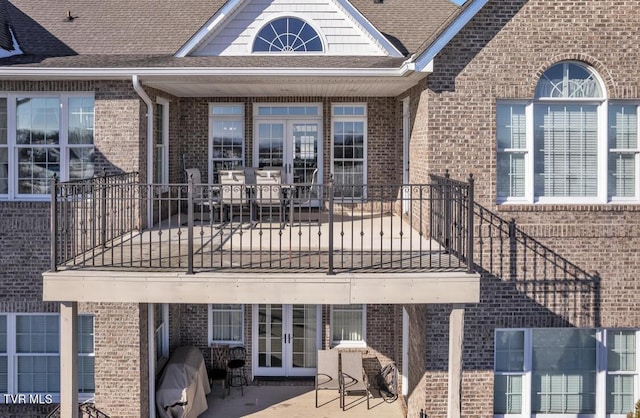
<point>501,54</point>
<point>25,253</point>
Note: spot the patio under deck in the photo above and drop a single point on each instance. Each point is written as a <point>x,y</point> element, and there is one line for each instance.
<point>277,401</point>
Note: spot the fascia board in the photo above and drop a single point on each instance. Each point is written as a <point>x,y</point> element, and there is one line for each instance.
<point>228,9</point>
<point>369,28</point>
<point>104,73</point>
<point>426,58</point>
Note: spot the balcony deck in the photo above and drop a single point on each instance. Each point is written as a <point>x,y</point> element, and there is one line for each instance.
<point>371,243</point>
<point>342,250</point>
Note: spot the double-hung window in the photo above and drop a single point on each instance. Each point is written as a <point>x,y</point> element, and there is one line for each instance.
<point>569,144</point>
<point>30,354</point>
<point>42,135</point>
<point>226,137</point>
<point>349,144</point>
<point>161,142</point>
<point>348,325</point>
<point>565,372</point>
<point>226,324</point>
<point>4,363</point>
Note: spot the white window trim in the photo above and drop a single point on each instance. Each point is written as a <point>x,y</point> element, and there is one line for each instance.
<point>165,139</point>
<point>63,144</point>
<point>210,339</point>
<point>601,376</point>
<point>164,326</point>
<point>350,118</point>
<point>12,356</point>
<point>234,118</point>
<point>350,343</point>
<point>603,155</point>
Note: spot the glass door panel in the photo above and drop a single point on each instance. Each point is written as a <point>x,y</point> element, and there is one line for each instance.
<point>305,151</point>
<point>271,144</point>
<point>270,325</point>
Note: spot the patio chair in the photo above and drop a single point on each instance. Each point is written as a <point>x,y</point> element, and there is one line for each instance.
<point>202,195</point>
<point>233,193</point>
<point>352,377</point>
<point>327,377</point>
<point>269,193</point>
<point>218,371</point>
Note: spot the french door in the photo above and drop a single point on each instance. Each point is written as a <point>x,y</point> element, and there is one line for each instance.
<point>292,144</point>
<point>286,339</point>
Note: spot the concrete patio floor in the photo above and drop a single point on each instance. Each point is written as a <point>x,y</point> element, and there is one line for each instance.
<point>278,401</point>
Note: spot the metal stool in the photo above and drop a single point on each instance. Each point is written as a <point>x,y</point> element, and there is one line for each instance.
<point>237,376</point>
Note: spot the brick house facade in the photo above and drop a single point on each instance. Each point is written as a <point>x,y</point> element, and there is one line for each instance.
<point>500,54</point>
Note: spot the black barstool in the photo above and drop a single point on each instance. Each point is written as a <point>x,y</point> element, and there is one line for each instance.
<point>236,364</point>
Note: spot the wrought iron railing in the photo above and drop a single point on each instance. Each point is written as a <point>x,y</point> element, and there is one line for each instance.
<point>85,410</point>
<point>506,251</point>
<point>191,227</point>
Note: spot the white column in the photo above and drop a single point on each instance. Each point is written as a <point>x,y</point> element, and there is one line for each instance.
<point>69,359</point>
<point>456,335</point>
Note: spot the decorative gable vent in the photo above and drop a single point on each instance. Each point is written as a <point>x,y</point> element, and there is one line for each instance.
<point>287,34</point>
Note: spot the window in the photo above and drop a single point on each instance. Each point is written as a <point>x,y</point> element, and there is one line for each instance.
<point>226,323</point>
<point>348,325</point>
<point>86,356</point>
<point>554,371</point>
<point>30,354</point>
<point>41,136</point>
<point>161,333</point>
<point>349,141</point>
<point>161,141</point>
<point>226,138</point>
<point>4,371</point>
<point>287,34</point>
<point>569,144</point>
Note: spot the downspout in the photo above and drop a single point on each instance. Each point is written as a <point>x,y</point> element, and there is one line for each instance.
<point>145,98</point>
<point>150,331</point>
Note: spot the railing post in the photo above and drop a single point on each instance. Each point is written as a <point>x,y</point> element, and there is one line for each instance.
<point>330,191</point>
<point>446,196</point>
<point>103,212</point>
<point>190,225</point>
<point>513,249</point>
<point>54,223</point>
<point>470,234</point>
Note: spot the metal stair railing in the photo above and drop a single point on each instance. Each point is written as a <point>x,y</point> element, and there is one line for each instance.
<point>86,410</point>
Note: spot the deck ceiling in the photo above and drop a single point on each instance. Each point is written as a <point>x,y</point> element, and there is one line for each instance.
<point>263,86</point>
<point>248,288</point>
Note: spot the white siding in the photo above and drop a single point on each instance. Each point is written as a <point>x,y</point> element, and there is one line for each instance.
<point>340,32</point>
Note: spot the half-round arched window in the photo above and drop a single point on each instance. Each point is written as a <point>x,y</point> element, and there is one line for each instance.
<point>287,34</point>
<point>569,80</point>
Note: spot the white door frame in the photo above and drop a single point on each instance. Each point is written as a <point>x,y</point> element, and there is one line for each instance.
<point>405,352</point>
<point>288,121</point>
<point>287,368</point>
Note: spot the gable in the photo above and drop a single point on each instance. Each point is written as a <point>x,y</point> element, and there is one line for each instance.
<point>342,29</point>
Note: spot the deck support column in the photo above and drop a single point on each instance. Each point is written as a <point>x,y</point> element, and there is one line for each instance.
<point>69,359</point>
<point>456,336</point>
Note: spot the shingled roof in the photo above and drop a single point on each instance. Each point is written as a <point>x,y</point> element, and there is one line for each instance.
<point>121,33</point>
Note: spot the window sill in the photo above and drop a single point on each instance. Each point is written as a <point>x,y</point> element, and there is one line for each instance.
<point>349,344</point>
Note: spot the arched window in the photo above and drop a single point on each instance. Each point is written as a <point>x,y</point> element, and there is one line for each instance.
<point>287,34</point>
<point>569,144</point>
